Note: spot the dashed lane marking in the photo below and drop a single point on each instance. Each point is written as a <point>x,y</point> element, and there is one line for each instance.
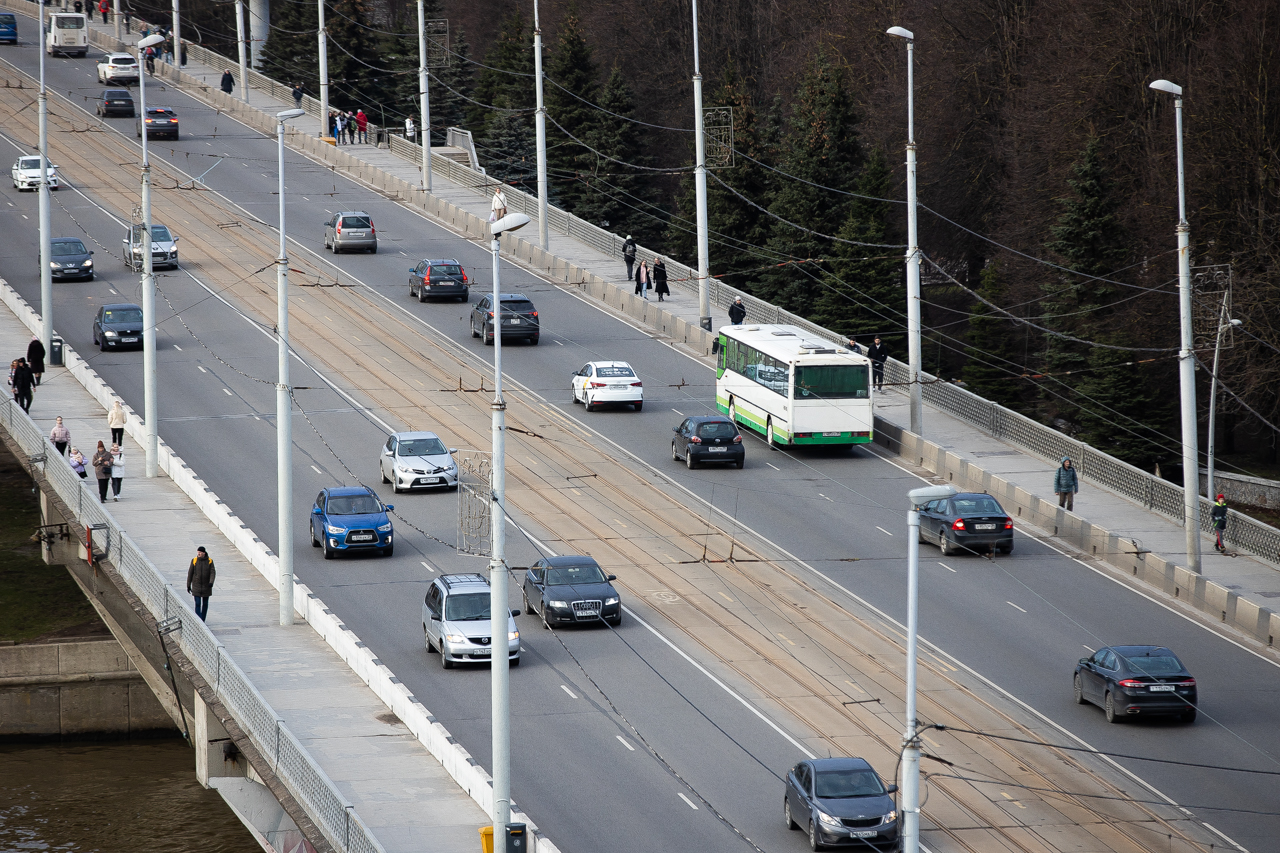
<point>572,695</point>
<point>317,470</point>
<point>201,369</point>
<point>623,741</point>
<point>1014,606</point>
<point>228,393</point>
<point>948,568</point>
<point>774,467</point>
<point>687,801</point>
<point>882,530</point>
<point>428,568</point>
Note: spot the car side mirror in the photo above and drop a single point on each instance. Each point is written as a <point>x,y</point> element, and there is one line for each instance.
<point>611,577</point>
<point>91,251</point>
<point>1084,661</point>
<point>533,574</point>
<point>176,239</point>
<point>389,507</point>
<point>315,510</point>
<point>892,789</point>
<point>453,450</point>
<point>675,429</point>
<point>387,452</point>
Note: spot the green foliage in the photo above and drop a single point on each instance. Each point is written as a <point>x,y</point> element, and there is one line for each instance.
<point>352,49</point>
<point>992,353</point>
<point>1121,411</point>
<point>291,52</point>
<point>509,152</point>
<point>569,164</point>
<point>510,56</point>
<point>449,88</point>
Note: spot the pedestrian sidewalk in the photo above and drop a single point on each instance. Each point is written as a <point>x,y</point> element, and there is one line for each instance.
<point>401,792</point>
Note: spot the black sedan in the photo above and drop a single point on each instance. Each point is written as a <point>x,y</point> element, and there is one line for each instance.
<point>70,259</point>
<point>970,522</point>
<point>1136,681</point>
<point>115,102</point>
<point>519,318</point>
<point>841,801</point>
<point>438,278</point>
<point>160,121</point>
<point>118,326</point>
<point>708,438</point>
<point>569,590</point>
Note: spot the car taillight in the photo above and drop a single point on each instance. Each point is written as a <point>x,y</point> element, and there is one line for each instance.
<point>637,384</point>
<point>464,278</point>
<point>1190,682</point>
<point>693,439</point>
<point>490,315</point>
<point>533,313</point>
<point>737,439</point>
<point>598,384</point>
<point>372,230</point>
<point>339,228</point>
<point>1132,682</point>
<point>1008,523</point>
<point>958,524</point>
<point>428,278</point>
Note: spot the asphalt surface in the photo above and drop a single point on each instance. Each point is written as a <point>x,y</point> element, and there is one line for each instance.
<point>1021,621</point>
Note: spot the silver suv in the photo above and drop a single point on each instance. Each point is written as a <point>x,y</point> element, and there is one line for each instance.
<point>455,620</point>
<point>351,230</point>
<point>164,247</point>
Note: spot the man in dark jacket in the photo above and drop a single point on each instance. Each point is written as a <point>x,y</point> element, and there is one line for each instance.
<point>629,255</point>
<point>297,95</point>
<point>737,312</point>
<point>228,82</point>
<point>879,354</point>
<point>1219,515</point>
<point>23,381</point>
<point>35,358</point>
<point>1066,484</point>
<point>200,577</point>
<point>660,279</point>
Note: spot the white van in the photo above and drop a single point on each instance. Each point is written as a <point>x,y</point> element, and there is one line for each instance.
<point>68,34</point>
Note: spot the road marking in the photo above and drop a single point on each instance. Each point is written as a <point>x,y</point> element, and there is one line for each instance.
<point>623,741</point>
<point>178,348</point>
<point>1091,651</point>
<point>387,360</point>
<point>357,340</point>
<point>821,495</point>
<point>572,695</point>
<point>201,369</point>
<point>228,393</point>
<point>24,216</point>
<point>403,252</point>
<point>616,521</point>
<point>882,530</point>
<point>557,343</point>
<point>678,412</point>
<point>687,801</point>
<point>854,686</point>
<point>304,198</point>
<point>774,467</point>
<point>948,568</point>
<point>428,568</point>
<point>1012,800</point>
<point>1014,606</point>
<point>317,470</point>
<point>789,641</point>
<point>931,741</point>
<point>726,598</point>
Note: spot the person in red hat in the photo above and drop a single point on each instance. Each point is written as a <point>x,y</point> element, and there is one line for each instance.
<point>1219,522</point>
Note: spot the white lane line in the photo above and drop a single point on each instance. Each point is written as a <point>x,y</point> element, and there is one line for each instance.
<point>201,369</point>
<point>1014,606</point>
<point>774,467</point>
<point>228,393</point>
<point>824,497</point>
<point>687,801</point>
<point>572,695</point>
<point>317,470</point>
<point>948,568</point>
<point>24,216</point>
<point>623,741</point>
<point>678,412</point>
<point>882,530</point>
<point>113,290</point>
<point>304,198</point>
<point>178,348</point>
<point>557,343</point>
<point>1089,650</point>
<point>428,568</point>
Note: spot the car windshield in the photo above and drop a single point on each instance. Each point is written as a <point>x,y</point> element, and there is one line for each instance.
<point>467,607</point>
<point>976,506</point>
<point>161,234</point>
<point>68,247</point>
<point>614,371</point>
<point>518,306</point>
<point>717,429</point>
<point>566,575</point>
<point>356,222</point>
<point>1156,664</point>
<point>420,447</point>
<point>353,505</point>
<point>29,163</point>
<point>446,269</point>
<point>116,93</point>
<point>122,315</point>
<point>832,381</point>
<point>840,784</point>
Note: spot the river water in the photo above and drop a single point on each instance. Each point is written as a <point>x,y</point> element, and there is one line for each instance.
<point>119,797</point>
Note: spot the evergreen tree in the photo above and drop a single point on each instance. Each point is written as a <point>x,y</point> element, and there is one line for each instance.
<point>990,369</point>
<point>1121,411</point>
<point>509,151</point>
<point>291,51</point>
<point>822,149</point>
<point>352,50</point>
<point>864,293</point>
<point>569,163</point>
<point>508,77</point>
<point>450,86</point>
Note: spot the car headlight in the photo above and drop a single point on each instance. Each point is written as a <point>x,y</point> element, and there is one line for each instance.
<point>513,635</point>
<point>557,604</point>
<point>828,819</point>
<point>454,638</point>
<point>55,265</point>
<point>611,600</point>
<point>88,263</point>
<point>111,334</point>
<point>890,817</point>
<point>384,528</point>
<point>336,531</point>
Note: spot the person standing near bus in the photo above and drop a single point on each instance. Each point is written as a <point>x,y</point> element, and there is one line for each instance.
<point>879,354</point>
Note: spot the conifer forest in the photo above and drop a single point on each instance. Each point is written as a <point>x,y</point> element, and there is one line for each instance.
<point>1047,172</point>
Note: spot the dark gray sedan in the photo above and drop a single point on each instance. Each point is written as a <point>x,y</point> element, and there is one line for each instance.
<point>969,522</point>
<point>841,801</point>
<point>70,259</point>
<point>571,590</point>
<point>159,121</point>
<point>115,102</point>
<point>118,326</point>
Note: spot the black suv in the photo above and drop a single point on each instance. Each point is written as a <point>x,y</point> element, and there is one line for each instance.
<point>443,277</point>
<point>519,318</point>
<point>707,438</point>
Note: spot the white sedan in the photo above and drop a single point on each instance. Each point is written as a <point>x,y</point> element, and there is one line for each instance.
<point>118,68</point>
<point>598,383</point>
<point>418,460</point>
<point>26,174</point>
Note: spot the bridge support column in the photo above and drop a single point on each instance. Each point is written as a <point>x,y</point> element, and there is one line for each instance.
<point>216,755</point>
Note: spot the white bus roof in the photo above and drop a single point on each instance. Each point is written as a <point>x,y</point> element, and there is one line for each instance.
<point>789,343</point>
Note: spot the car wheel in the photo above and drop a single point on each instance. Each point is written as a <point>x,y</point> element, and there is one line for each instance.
<point>1188,716</point>
<point>786,814</point>
<point>395,486</point>
<point>813,837</point>
<point>90,278</point>
<point>514,662</point>
<point>688,460</point>
<point>639,406</point>
<point>422,295</point>
<point>617,620</point>
<point>534,340</point>
<point>1109,706</point>
<point>742,463</point>
<point>1006,548</point>
<point>444,659</point>
<point>542,614</point>
<point>474,333</point>
<point>733,412</point>
<point>102,345</point>
<point>769,436</point>
<point>529,611</point>
<point>675,457</point>
<point>374,250</point>
<point>464,297</point>
<point>328,552</point>
<point>944,544</point>
<point>1078,688</point>
<point>315,543</point>
<point>488,339</point>
<point>426,640</point>
<point>384,476</point>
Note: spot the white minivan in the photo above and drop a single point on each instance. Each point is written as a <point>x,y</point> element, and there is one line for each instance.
<point>67,34</point>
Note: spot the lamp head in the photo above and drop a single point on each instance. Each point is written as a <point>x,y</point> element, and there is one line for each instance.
<point>1237,322</point>
<point>899,32</point>
<point>510,222</point>
<point>919,497</point>
<point>1166,86</point>
<point>150,41</point>
<point>288,114</point>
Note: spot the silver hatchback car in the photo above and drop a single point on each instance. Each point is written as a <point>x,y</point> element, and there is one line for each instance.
<point>455,621</point>
<point>418,460</point>
<point>351,231</point>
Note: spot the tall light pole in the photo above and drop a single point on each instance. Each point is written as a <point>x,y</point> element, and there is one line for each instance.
<point>500,663</point>
<point>115,12</point>
<point>1186,358</point>
<point>540,128</point>
<point>700,187</point>
<point>151,418</point>
<point>46,272</point>
<point>910,739</point>
<point>1223,324</point>
<point>913,249</point>
<point>325,130</point>
<point>242,50</point>
<point>424,97</point>
<point>284,401</point>
<point>259,26</point>
<point>177,37</point>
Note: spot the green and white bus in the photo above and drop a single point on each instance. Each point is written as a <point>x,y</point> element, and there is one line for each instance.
<point>793,387</point>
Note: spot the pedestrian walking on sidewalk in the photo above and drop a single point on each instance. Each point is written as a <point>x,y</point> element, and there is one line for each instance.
<point>23,385</point>
<point>297,95</point>
<point>642,279</point>
<point>128,19</point>
<point>498,204</point>
<point>77,462</point>
<point>1066,484</point>
<point>117,417</point>
<point>737,312</point>
<point>228,82</point>
<point>1219,516</point>
<point>35,358</point>
<point>629,254</point>
<point>362,127</point>
<point>60,436</point>
<point>103,7</point>
<point>151,61</point>
<point>410,130</point>
<point>79,7</point>
<point>102,470</point>
<point>117,470</point>
<point>351,128</point>
<point>200,577</point>
<point>660,279</point>
<point>879,354</point>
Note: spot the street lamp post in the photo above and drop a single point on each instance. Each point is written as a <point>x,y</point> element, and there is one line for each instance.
<point>913,249</point>
<point>910,741</point>
<point>499,660</point>
<point>284,401</point>
<point>241,52</point>
<point>151,418</point>
<point>540,129</point>
<point>46,257</point>
<point>325,130</point>
<point>424,97</point>
<point>1223,324</point>
<point>700,187</point>
<point>177,37</point>
<point>1186,358</point>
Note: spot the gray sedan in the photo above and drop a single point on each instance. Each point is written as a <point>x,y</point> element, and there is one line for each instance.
<point>70,259</point>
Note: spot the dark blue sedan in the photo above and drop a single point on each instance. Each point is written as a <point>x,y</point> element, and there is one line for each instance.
<point>351,518</point>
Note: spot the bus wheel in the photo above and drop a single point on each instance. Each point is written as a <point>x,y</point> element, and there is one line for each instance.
<point>733,410</point>
<point>769,436</point>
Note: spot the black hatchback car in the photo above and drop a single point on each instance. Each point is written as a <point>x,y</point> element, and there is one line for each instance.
<point>1136,681</point>
<point>708,438</point>
<point>571,589</point>
<point>118,326</point>
<point>519,318</point>
<point>115,102</point>
<point>841,801</point>
<point>438,278</point>
<point>70,259</point>
<point>973,522</point>
<point>160,121</point>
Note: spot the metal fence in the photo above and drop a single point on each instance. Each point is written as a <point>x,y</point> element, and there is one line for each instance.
<point>293,765</point>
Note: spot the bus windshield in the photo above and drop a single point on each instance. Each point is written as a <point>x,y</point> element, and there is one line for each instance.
<point>832,382</point>
<point>68,22</point>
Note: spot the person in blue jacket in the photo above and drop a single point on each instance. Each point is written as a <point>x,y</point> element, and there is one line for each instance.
<point>1066,484</point>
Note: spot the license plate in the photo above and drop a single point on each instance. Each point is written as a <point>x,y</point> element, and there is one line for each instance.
<point>836,435</point>
<point>984,527</point>
<point>717,449</point>
<point>356,234</point>
<point>362,538</point>
<point>485,652</point>
<point>130,340</point>
<point>429,480</point>
<point>513,322</point>
<point>864,833</point>
<point>1162,688</point>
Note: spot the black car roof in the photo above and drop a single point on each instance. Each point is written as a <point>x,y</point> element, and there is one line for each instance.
<point>1142,651</point>
<point>66,240</point>
<point>710,419</point>
<point>571,560</point>
<point>116,93</point>
<point>515,297</point>
<point>161,111</point>
<point>121,305</point>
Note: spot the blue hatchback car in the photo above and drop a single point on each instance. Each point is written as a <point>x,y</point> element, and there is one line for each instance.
<point>351,518</point>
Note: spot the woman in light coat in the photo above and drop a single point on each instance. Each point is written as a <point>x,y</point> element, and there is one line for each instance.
<point>116,419</point>
<point>60,436</point>
<point>117,470</point>
<point>77,461</point>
